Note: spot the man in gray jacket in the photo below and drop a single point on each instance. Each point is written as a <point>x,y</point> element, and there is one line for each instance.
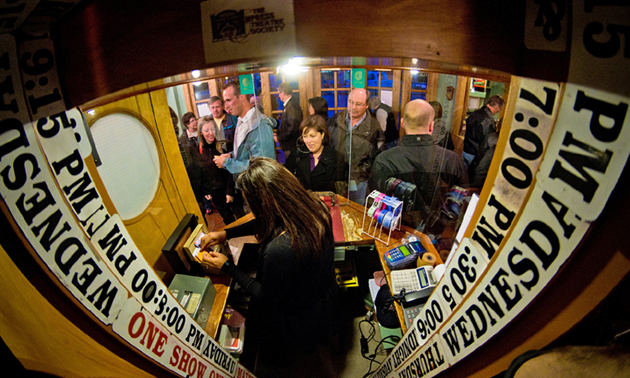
<point>356,136</point>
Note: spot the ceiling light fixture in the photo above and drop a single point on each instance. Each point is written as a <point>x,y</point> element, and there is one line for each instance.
<point>294,67</point>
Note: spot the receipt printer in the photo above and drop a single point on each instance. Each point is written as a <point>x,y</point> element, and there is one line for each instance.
<point>195,294</point>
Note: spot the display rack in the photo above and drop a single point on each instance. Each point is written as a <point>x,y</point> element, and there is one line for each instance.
<point>382,211</point>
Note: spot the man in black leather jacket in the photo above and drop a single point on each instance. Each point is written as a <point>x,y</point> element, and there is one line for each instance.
<point>417,160</point>
<point>290,120</point>
<point>478,125</point>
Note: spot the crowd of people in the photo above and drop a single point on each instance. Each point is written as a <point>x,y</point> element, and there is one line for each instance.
<point>354,152</point>
<point>232,162</point>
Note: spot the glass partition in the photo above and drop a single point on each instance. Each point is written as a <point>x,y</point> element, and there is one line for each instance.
<point>416,162</point>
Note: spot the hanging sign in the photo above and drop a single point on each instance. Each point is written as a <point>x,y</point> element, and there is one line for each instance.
<point>358,77</point>
<point>246,84</point>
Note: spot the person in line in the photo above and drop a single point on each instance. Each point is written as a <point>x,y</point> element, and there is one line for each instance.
<point>293,305</point>
<point>222,193</point>
<point>385,117</point>
<point>189,136</point>
<point>367,138</point>
<point>417,160</point>
<point>254,101</point>
<point>225,126</point>
<point>225,123</point>
<point>314,162</point>
<point>253,136</point>
<point>479,168</point>
<point>319,106</point>
<point>478,125</point>
<point>199,182</point>
<point>290,120</point>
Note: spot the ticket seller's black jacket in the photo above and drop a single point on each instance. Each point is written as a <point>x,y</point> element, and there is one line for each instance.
<point>293,303</point>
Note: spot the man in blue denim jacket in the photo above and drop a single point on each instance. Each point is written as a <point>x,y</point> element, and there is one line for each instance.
<point>253,136</point>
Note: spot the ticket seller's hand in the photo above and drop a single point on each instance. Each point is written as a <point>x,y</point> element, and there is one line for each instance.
<point>214,259</point>
<point>212,239</point>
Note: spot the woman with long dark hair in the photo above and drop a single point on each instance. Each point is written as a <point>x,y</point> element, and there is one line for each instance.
<point>293,294</point>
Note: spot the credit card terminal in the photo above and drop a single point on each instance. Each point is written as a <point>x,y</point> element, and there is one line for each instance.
<point>403,255</point>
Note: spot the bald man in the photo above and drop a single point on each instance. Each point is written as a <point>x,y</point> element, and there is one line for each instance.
<point>367,138</point>
<point>417,160</point>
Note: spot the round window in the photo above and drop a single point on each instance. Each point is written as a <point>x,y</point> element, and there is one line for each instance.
<point>130,166</point>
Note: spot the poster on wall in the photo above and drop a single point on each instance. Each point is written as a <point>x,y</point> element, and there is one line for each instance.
<point>246,29</point>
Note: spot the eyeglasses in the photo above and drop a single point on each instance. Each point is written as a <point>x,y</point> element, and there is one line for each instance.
<point>359,104</point>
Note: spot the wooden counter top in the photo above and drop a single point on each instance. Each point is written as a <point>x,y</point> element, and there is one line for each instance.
<point>222,282</point>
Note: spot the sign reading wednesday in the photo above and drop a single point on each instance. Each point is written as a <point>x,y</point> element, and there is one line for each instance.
<point>580,167</point>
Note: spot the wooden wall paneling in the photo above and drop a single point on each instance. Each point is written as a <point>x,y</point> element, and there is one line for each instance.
<point>317,81</point>
<point>506,93</point>
<point>305,81</point>
<point>189,96</point>
<point>175,170</point>
<point>405,92</point>
<point>95,40</point>
<point>215,88</point>
<point>459,112</point>
<point>405,95</point>
<point>396,102</point>
<point>174,196</point>
<point>432,86</point>
<point>265,92</point>
<point>148,229</point>
<point>66,351</point>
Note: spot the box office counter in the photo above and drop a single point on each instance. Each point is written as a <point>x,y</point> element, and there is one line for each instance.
<point>351,219</point>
